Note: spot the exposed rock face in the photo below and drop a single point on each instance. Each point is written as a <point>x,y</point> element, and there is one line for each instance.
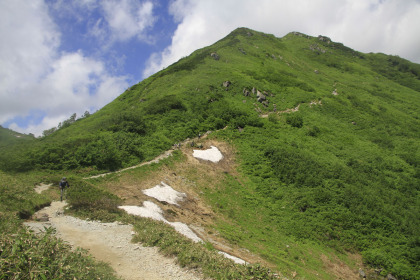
<point>215,56</point>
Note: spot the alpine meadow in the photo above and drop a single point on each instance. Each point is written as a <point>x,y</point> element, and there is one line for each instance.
<point>320,177</point>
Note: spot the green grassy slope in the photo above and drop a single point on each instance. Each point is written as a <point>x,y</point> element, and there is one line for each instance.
<point>343,170</point>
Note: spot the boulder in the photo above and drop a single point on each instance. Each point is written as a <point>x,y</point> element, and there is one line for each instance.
<point>41,217</point>
<point>390,277</point>
<point>246,92</point>
<point>226,84</point>
<point>260,96</point>
<point>215,56</point>
<point>362,273</point>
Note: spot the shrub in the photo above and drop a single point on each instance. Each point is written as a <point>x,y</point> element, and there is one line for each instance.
<point>294,120</point>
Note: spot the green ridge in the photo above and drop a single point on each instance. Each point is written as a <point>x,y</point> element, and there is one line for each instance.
<point>341,172</point>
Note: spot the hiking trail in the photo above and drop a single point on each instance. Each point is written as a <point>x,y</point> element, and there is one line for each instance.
<point>111,243</point>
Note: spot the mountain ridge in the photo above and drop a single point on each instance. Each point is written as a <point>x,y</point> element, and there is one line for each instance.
<point>325,136</point>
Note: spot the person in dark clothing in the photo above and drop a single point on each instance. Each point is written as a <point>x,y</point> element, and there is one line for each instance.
<point>63,185</point>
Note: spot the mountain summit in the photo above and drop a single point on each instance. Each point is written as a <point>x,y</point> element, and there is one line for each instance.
<point>325,137</point>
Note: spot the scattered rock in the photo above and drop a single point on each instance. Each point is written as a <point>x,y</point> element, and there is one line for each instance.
<point>362,273</point>
<point>316,71</point>
<point>246,92</point>
<point>335,92</point>
<point>215,56</point>
<point>316,48</point>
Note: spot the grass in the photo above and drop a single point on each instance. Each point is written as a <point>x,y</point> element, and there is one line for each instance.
<point>342,175</point>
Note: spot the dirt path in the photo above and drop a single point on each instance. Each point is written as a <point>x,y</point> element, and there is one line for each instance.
<point>155,160</point>
<point>111,243</point>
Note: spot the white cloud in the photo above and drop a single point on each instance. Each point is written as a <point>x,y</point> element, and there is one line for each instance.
<point>389,26</point>
<point>36,77</point>
<point>128,18</point>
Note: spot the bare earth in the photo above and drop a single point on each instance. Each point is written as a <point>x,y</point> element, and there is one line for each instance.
<point>111,243</point>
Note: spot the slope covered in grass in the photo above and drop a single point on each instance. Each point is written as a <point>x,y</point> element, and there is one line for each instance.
<point>330,151</point>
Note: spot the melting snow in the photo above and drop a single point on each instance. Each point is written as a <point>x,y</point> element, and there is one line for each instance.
<point>213,154</point>
<point>151,210</point>
<point>164,192</point>
<point>233,258</point>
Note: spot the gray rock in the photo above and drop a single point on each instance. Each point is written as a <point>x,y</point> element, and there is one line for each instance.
<point>215,56</point>
<point>260,96</point>
<point>362,273</point>
<point>226,84</point>
<point>41,217</point>
<point>390,277</point>
<point>324,39</point>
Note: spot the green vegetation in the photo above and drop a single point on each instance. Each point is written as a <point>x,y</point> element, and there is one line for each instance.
<point>342,173</point>
<point>24,255</point>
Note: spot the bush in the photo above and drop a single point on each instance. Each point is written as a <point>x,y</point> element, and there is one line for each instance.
<point>294,120</point>
<point>28,256</point>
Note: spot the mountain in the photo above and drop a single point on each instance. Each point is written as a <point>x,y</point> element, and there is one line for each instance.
<point>326,140</point>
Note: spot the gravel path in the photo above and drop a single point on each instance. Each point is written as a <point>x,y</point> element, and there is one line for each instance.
<point>111,243</point>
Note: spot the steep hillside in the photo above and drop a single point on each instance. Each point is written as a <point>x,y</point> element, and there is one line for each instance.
<point>326,142</point>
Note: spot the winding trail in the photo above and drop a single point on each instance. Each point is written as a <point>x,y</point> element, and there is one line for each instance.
<point>111,243</point>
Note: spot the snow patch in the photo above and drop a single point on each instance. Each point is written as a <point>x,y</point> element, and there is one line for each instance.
<point>233,258</point>
<point>166,193</point>
<point>151,210</point>
<point>213,154</point>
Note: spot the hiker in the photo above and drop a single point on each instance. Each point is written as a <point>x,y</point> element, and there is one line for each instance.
<point>63,185</point>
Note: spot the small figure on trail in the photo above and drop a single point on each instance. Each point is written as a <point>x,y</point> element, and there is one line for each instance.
<point>199,135</point>
<point>63,185</point>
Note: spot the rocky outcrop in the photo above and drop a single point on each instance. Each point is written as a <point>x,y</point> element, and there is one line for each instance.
<point>324,39</point>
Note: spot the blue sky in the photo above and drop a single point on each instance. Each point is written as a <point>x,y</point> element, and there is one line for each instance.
<point>59,57</point>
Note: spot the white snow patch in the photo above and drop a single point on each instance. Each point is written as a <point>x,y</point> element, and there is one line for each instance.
<point>164,192</point>
<point>213,154</point>
<point>151,210</point>
<point>235,259</point>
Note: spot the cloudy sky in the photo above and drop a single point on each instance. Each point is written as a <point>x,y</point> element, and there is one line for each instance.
<point>59,57</point>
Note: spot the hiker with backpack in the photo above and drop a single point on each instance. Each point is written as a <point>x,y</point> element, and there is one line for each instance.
<point>63,185</point>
